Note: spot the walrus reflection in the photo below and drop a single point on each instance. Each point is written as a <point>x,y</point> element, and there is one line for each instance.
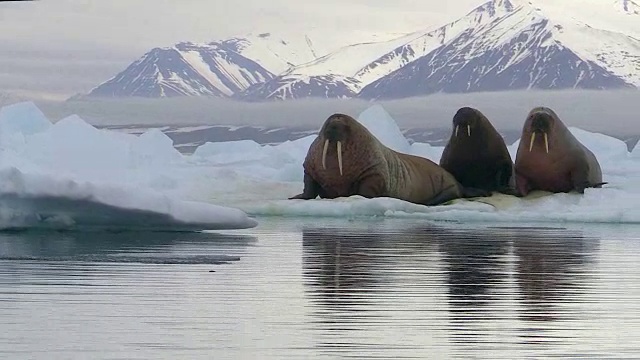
<point>552,266</point>
<point>339,266</point>
<point>475,263</point>
<point>475,267</point>
<point>486,267</point>
<point>345,267</point>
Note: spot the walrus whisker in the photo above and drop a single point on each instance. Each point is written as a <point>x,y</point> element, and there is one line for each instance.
<point>469,130</point>
<point>546,142</point>
<point>533,138</point>
<point>339,148</point>
<point>457,126</point>
<point>324,154</point>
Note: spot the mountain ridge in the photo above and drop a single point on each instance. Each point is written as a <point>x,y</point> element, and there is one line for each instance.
<point>499,45</point>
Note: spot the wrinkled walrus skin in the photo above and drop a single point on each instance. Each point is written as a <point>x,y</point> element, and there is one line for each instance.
<point>476,154</point>
<point>346,159</point>
<point>550,158</point>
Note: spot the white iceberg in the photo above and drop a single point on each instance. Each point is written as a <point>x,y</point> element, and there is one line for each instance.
<point>223,182</point>
<point>72,175</point>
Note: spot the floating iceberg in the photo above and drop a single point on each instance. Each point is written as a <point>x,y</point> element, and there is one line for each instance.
<point>70,175</point>
<point>104,178</point>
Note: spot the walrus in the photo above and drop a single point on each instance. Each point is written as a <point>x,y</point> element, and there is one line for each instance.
<point>476,155</point>
<point>550,158</point>
<point>346,159</point>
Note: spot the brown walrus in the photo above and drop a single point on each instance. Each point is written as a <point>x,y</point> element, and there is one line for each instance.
<point>346,159</point>
<point>551,159</point>
<point>476,155</point>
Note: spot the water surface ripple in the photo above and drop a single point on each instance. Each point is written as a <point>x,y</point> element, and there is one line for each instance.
<point>328,289</point>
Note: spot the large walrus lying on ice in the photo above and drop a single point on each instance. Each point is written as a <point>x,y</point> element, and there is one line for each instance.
<point>346,159</point>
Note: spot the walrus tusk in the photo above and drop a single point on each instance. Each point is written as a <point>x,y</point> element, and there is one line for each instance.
<point>339,148</point>
<point>469,130</point>
<point>533,138</point>
<point>546,142</point>
<point>457,126</point>
<point>324,154</point>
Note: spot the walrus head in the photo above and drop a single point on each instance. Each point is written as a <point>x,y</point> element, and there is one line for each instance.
<point>540,122</point>
<point>465,119</point>
<point>336,130</point>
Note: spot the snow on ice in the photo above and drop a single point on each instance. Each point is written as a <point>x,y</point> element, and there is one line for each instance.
<point>72,174</point>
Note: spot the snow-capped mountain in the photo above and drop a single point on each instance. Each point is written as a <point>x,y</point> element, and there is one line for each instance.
<point>511,46</point>
<point>368,62</point>
<point>500,45</point>
<point>220,68</point>
<point>296,86</point>
<point>216,69</point>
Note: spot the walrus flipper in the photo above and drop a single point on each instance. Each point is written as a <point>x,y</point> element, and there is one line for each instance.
<point>505,175</point>
<point>504,182</point>
<point>443,197</point>
<point>470,192</point>
<point>372,186</point>
<point>522,186</point>
<point>580,179</point>
<point>581,187</point>
<point>311,189</point>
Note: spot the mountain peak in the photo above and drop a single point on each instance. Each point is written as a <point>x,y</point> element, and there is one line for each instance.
<point>499,45</point>
<point>505,5</point>
<point>488,11</point>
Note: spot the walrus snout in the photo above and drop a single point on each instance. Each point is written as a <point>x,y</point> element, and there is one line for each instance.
<point>334,134</point>
<point>325,147</point>
<point>336,131</point>
<point>464,118</point>
<point>540,123</point>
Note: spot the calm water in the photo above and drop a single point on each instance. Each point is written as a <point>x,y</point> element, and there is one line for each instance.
<point>300,289</point>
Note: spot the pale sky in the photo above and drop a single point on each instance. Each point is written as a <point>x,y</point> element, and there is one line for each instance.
<point>56,48</point>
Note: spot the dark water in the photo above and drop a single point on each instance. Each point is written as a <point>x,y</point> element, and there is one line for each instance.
<point>300,289</point>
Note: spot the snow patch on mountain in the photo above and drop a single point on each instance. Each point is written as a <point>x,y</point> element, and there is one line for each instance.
<point>348,60</point>
<point>297,86</point>
<point>273,52</point>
